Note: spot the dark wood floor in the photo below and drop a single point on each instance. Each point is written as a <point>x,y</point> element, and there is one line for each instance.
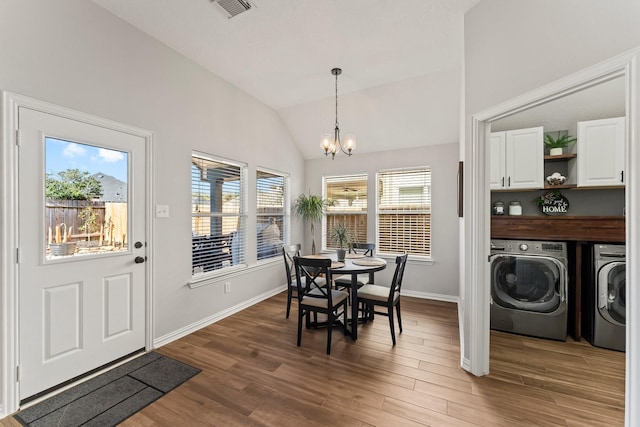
<point>254,375</point>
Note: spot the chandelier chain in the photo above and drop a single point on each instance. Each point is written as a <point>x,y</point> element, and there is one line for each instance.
<point>337,100</point>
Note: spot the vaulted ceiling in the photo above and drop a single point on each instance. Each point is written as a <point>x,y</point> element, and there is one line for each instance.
<point>401,61</point>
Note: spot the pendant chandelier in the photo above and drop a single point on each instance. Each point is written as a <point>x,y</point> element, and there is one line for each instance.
<point>330,143</point>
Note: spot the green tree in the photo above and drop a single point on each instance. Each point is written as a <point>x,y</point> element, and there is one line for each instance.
<point>90,221</point>
<point>72,184</point>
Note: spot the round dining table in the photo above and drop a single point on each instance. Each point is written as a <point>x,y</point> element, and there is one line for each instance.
<point>353,265</point>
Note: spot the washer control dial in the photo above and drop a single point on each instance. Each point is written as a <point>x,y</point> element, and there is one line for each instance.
<point>523,247</point>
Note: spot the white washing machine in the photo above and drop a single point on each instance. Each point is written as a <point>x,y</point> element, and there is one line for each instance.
<point>529,285</point>
<point>609,308</point>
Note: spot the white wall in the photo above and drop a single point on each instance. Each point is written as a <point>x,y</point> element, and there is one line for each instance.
<point>514,46</point>
<point>413,112</point>
<point>440,279</point>
<point>77,55</point>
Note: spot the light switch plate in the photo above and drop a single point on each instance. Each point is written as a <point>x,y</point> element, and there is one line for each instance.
<point>162,211</point>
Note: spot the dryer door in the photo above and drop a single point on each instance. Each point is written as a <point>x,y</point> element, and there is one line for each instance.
<point>612,292</point>
<point>531,283</point>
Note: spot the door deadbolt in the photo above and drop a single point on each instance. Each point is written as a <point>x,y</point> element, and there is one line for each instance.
<point>138,245</point>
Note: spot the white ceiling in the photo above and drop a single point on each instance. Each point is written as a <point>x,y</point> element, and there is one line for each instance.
<point>281,52</point>
<point>401,64</point>
<point>604,100</point>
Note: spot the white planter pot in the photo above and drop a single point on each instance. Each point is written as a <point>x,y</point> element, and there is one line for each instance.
<point>555,151</point>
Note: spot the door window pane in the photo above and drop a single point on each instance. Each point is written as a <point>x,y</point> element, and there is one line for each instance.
<point>86,199</point>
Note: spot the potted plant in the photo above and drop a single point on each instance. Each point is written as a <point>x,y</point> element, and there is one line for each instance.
<point>556,145</point>
<point>62,246</point>
<point>342,236</point>
<point>310,208</point>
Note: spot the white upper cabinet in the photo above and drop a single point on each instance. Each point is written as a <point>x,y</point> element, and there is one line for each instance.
<point>601,152</point>
<point>517,159</point>
<point>497,169</point>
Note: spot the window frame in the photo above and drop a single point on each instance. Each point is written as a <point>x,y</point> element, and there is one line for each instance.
<point>427,211</point>
<point>326,179</point>
<point>285,229</point>
<point>242,217</point>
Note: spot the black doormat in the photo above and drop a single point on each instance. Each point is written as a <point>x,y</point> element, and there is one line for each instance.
<point>112,397</point>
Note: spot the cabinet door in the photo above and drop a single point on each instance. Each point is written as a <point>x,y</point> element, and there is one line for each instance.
<point>524,158</point>
<point>497,167</point>
<point>601,146</point>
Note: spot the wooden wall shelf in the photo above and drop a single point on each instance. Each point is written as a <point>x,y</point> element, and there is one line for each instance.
<point>559,228</point>
<point>560,187</point>
<point>560,158</point>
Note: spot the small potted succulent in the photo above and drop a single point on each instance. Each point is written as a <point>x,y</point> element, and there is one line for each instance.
<point>342,236</point>
<point>557,144</point>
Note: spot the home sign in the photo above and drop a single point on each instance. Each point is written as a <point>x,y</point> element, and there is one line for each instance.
<point>553,203</point>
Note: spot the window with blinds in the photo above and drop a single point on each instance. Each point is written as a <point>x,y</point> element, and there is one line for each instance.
<point>272,214</point>
<point>404,211</point>
<point>218,213</point>
<point>346,203</point>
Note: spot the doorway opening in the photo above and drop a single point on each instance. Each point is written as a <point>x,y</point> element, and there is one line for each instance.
<point>477,223</point>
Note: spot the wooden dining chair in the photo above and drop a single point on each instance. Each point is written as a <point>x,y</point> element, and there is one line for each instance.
<point>372,295</point>
<point>288,252</point>
<point>314,297</point>
<point>344,282</point>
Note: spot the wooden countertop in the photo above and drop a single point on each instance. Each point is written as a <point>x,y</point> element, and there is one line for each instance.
<point>565,228</point>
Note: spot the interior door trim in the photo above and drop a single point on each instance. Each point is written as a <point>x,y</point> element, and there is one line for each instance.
<point>474,329</point>
<point>9,356</point>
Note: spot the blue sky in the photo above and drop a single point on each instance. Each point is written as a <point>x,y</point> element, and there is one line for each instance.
<point>62,155</point>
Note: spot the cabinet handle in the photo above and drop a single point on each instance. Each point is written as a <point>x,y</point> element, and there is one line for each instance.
<point>502,185</point>
<point>509,182</point>
<point>621,176</point>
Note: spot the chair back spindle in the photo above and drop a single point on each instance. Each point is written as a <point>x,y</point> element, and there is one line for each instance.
<point>289,252</point>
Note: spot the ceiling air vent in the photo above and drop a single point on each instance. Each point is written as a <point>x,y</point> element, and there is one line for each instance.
<point>233,7</point>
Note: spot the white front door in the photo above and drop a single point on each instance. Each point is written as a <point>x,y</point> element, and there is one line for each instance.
<point>82,276</point>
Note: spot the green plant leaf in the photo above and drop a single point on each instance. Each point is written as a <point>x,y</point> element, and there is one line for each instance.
<point>560,142</point>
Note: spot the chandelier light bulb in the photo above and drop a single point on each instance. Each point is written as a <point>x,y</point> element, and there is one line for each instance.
<point>326,142</point>
<point>350,142</point>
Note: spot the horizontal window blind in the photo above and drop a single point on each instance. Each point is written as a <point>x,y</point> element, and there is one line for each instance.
<point>404,211</point>
<point>356,223</point>
<point>218,223</point>
<point>346,198</point>
<point>272,214</point>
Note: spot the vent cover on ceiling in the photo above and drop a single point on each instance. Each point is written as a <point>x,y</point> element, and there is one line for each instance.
<point>233,7</point>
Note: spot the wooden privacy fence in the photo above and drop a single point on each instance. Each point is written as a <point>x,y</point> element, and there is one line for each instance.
<point>108,227</point>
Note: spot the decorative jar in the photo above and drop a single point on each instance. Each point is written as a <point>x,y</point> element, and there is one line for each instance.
<point>515,208</point>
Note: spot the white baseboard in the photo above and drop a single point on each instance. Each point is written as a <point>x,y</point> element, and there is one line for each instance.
<point>428,295</point>
<point>466,364</point>
<point>463,361</point>
<point>179,333</point>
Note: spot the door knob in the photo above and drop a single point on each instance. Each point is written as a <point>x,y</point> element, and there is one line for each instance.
<point>139,260</point>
